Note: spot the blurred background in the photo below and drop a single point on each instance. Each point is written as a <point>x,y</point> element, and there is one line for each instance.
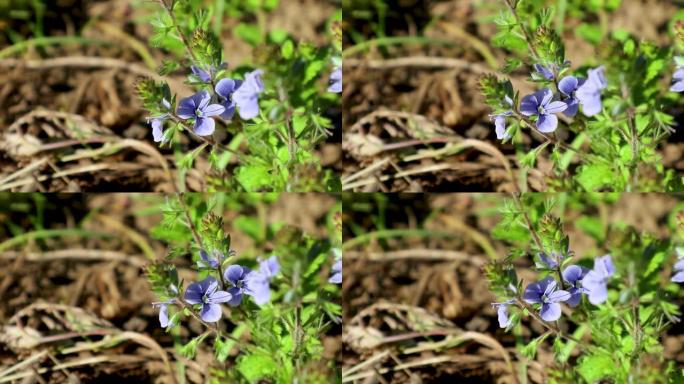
<point>413,267</point>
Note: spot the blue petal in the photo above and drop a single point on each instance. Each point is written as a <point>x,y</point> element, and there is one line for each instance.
<point>568,85</point>
<point>573,107</point>
<point>234,273</point>
<point>210,313</point>
<point>529,105</point>
<point>202,74</point>
<point>213,110</point>
<point>547,123</point>
<point>550,311</point>
<point>225,87</point>
<point>204,126</point>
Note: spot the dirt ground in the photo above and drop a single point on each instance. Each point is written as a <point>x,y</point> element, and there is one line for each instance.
<point>402,295</point>
<point>389,108</point>
<point>45,98</point>
<point>58,288</point>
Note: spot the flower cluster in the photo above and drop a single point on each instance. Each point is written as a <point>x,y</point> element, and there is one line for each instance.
<point>548,293</point>
<point>210,293</point>
<point>200,108</point>
<point>543,105</point>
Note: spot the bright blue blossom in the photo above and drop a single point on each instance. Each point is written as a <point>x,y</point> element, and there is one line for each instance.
<point>244,281</point>
<point>197,107</point>
<point>207,293</point>
<point>550,262</point>
<point>269,267</point>
<point>225,88</point>
<point>568,86</point>
<point>541,104</point>
<point>595,282</point>
<point>678,81</point>
<point>502,313</point>
<point>157,123</point>
<point>678,277</point>
<point>335,80</point>
<point>336,275</point>
<point>573,275</point>
<point>500,120</point>
<point>589,93</point>
<point>544,292</point>
<point>163,311</point>
<point>544,71</point>
<point>206,74</point>
<point>246,96</point>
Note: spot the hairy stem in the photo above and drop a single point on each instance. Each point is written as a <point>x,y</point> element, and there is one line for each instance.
<point>169,10</point>
<point>528,38</point>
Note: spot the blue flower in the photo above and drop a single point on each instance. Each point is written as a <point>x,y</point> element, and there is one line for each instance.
<point>335,80</point>
<point>206,292</point>
<point>540,104</point>
<point>550,262</point>
<point>544,292</point>
<point>544,71</point>
<point>157,123</point>
<point>206,75</point>
<point>336,275</point>
<point>197,107</point>
<point>678,81</point>
<point>500,121</point>
<point>269,267</point>
<point>247,95</point>
<point>163,311</point>
<point>589,93</point>
<point>595,282</point>
<point>226,88</point>
<point>568,86</point>
<point>244,281</point>
<point>573,275</point>
<point>502,313</point>
<point>678,276</point>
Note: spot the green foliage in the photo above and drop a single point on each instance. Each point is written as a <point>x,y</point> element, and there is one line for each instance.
<point>616,149</point>
<point>277,150</point>
<point>284,343</point>
<point>619,340</point>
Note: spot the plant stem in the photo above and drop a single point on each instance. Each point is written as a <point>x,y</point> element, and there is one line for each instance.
<point>528,38</point>
<point>533,231</point>
<point>169,10</point>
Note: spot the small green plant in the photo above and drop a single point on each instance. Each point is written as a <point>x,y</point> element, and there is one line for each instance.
<point>615,111</point>
<point>272,309</point>
<point>605,317</point>
<point>271,113</point>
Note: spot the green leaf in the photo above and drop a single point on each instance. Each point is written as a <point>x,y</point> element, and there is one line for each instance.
<point>589,32</point>
<point>593,177</point>
<point>287,49</point>
<point>596,367</point>
<point>254,177</point>
<point>530,350</point>
<point>250,33</point>
<point>190,349</point>
<point>257,366</point>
